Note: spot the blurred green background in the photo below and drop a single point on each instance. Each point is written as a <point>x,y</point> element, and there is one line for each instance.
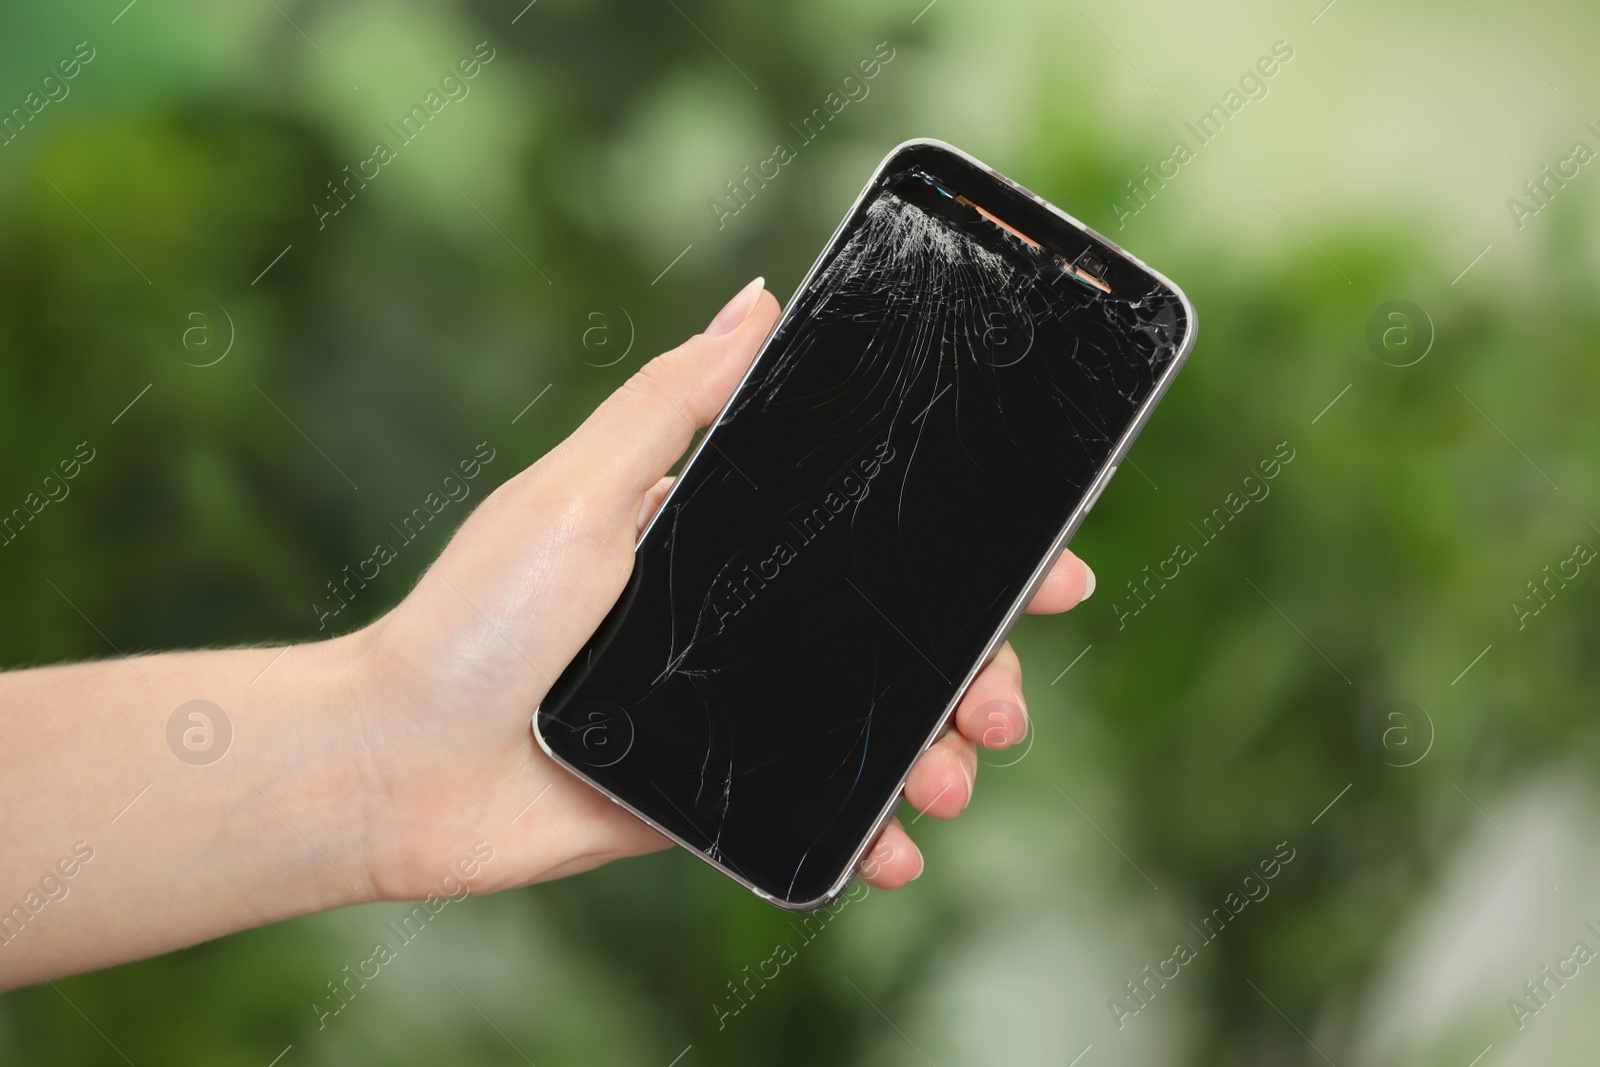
<point>1350,640</point>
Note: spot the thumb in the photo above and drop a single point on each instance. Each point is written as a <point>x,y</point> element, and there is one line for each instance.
<point>635,436</point>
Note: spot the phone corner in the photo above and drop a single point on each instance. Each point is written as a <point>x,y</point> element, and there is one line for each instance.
<point>921,142</point>
<point>1191,317</point>
<point>912,145</point>
<point>538,737</point>
<point>807,907</point>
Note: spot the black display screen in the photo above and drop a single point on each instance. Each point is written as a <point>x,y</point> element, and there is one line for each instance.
<point>856,531</point>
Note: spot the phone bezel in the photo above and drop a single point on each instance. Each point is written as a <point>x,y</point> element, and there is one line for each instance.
<point>1085,504</point>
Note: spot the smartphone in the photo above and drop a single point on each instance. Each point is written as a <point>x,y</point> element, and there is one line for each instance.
<point>949,390</point>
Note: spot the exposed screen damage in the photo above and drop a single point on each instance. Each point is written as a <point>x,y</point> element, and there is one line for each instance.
<point>844,548</point>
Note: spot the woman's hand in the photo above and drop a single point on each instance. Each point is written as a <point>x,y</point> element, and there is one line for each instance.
<point>446,756</point>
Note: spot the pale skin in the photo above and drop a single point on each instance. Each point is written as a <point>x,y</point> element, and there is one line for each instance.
<point>366,767</point>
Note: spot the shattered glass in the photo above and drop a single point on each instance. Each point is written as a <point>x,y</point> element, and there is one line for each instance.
<point>851,537</point>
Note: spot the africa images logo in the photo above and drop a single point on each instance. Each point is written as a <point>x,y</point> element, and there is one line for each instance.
<point>454,86</point>
<point>733,592</point>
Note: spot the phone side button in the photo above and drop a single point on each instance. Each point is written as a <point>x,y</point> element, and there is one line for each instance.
<point>1094,497</point>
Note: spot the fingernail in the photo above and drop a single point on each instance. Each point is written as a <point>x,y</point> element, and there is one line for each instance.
<point>736,310</point>
<point>1022,724</point>
<point>922,861</point>
<point>1088,582</point>
<point>969,773</point>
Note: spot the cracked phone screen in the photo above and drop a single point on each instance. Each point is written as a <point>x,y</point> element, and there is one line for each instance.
<point>855,532</point>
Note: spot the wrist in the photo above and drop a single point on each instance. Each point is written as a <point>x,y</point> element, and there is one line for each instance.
<point>398,791</point>
<point>312,778</point>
